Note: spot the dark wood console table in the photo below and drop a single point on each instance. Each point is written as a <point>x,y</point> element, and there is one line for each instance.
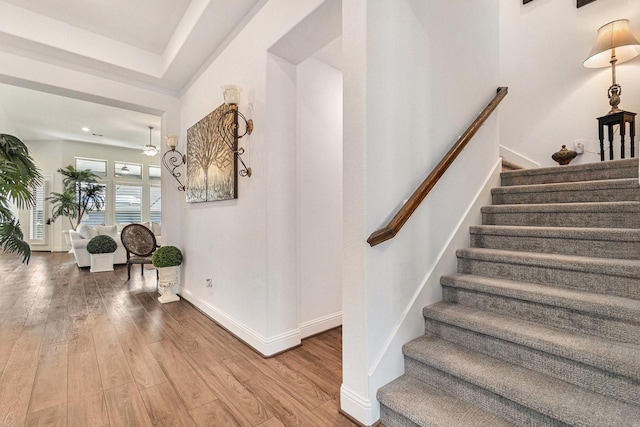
<point>620,118</point>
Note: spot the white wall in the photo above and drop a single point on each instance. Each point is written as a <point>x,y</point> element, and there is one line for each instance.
<point>554,100</point>
<point>409,93</point>
<point>248,246</point>
<point>319,193</point>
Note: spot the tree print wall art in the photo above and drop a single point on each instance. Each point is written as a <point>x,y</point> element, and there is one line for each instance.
<point>211,164</point>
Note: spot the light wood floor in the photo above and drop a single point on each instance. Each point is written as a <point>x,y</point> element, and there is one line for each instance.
<point>83,349</point>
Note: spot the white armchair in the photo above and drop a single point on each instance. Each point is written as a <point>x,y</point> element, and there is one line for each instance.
<point>81,237</point>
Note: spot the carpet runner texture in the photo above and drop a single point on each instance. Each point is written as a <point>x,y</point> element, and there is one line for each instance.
<point>540,326</point>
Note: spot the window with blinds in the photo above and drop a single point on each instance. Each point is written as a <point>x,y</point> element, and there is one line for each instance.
<point>99,167</point>
<point>127,170</point>
<point>128,203</point>
<point>154,172</point>
<point>36,216</point>
<point>155,202</point>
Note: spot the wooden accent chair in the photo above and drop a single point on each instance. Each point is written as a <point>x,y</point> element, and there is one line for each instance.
<point>140,243</point>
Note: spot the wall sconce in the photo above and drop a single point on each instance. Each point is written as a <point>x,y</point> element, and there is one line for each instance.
<point>229,131</point>
<point>614,44</point>
<point>173,159</point>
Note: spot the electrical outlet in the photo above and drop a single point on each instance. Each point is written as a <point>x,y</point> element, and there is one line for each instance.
<point>209,283</point>
<point>578,145</point>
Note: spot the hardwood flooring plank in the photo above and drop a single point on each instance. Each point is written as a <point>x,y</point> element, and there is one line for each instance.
<point>57,330</point>
<point>83,376</point>
<point>26,349</point>
<point>273,422</point>
<point>303,390</point>
<point>310,367</point>
<point>274,395</point>
<point>245,407</point>
<point>184,379</point>
<point>165,407</point>
<point>214,413</point>
<point>82,343</point>
<point>114,369</point>
<point>150,330</point>
<point>90,411</point>
<point>54,416</point>
<point>208,341</point>
<point>39,311</point>
<point>125,406</point>
<point>50,386</point>
<point>15,390</point>
<point>6,347</point>
<point>330,411</point>
<point>143,365</point>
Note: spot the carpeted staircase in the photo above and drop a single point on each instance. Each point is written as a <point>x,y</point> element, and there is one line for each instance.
<point>541,324</point>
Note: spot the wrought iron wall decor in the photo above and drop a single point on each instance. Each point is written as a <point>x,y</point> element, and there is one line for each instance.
<point>229,131</point>
<point>173,159</point>
<point>211,162</point>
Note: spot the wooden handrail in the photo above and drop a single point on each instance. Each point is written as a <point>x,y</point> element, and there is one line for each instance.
<point>404,213</point>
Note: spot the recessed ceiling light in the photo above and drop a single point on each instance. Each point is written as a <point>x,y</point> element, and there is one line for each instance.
<point>85,129</point>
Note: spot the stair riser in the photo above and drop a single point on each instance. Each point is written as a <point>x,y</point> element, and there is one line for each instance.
<point>391,418</point>
<point>610,195</point>
<point>548,245</point>
<point>618,170</point>
<point>549,275</point>
<point>481,398</point>
<point>545,314</point>
<point>563,219</point>
<point>573,372</point>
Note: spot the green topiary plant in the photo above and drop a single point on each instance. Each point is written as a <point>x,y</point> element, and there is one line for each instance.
<point>166,256</point>
<point>102,244</point>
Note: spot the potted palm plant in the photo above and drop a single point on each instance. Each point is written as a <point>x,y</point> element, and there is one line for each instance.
<point>81,193</point>
<point>18,176</point>
<point>101,249</point>
<point>167,259</point>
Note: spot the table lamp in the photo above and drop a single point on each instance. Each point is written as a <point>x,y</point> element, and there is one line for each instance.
<point>614,44</point>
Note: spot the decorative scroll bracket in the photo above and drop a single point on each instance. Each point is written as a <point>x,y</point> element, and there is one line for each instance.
<point>172,160</point>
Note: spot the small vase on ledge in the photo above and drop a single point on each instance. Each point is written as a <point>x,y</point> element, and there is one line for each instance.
<point>564,156</point>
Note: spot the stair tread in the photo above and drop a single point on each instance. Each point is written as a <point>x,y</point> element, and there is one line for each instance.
<point>625,206</point>
<point>597,304</point>
<point>569,186</point>
<point>575,169</point>
<point>534,390</point>
<point>621,267</point>
<point>574,233</point>
<point>607,355</point>
<point>425,405</point>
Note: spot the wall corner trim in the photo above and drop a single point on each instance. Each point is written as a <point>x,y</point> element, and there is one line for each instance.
<point>358,407</point>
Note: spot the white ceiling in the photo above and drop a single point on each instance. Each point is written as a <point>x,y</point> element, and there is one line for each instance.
<point>156,43</point>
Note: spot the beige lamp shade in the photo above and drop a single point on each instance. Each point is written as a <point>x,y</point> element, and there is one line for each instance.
<point>614,35</point>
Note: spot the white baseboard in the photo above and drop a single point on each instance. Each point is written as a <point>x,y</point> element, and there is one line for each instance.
<point>267,346</point>
<point>321,324</point>
<point>517,158</point>
<point>358,407</point>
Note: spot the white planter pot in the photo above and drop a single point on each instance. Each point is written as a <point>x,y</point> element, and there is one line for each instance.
<point>167,278</point>
<point>101,262</point>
